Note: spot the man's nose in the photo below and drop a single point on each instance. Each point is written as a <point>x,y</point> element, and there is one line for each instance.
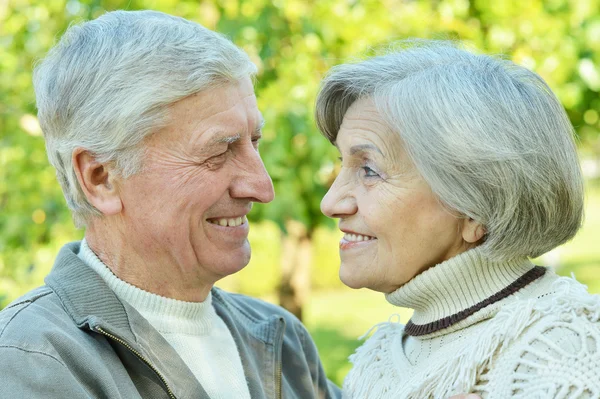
<point>254,183</point>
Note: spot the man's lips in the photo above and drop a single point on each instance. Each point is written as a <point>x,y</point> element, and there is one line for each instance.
<point>232,221</point>
<point>229,229</point>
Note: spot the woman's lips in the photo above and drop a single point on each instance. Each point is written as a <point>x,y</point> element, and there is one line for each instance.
<point>352,240</point>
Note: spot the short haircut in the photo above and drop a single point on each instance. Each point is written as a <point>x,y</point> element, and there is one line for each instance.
<point>108,82</point>
<point>488,136</point>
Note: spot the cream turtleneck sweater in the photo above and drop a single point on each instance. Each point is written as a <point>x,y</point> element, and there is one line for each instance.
<point>194,330</point>
<point>541,340</point>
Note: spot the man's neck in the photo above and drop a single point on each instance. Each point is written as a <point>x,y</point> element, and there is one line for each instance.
<point>140,264</point>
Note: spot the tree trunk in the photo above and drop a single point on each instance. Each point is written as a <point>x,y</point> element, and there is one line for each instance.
<point>296,257</point>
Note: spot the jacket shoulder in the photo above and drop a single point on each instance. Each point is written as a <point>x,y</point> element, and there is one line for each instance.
<point>22,308</point>
<point>33,320</point>
<point>254,308</point>
<point>38,353</point>
<point>297,343</point>
<point>260,313</point>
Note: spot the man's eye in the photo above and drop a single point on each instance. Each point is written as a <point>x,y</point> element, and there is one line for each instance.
<point>369,172</point>
<point>217,159</point>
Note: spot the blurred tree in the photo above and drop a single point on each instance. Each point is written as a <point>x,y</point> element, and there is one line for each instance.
<point>294,42</point>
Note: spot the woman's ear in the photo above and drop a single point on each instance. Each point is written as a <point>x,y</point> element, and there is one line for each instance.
<point>473,231</point>
<point>97,181</point>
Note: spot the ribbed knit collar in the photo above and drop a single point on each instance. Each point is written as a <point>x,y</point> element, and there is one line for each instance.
<point>167,315</point>
<point>456,284</point>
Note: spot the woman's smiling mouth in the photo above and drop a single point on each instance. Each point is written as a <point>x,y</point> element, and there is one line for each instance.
<point>352,239</point>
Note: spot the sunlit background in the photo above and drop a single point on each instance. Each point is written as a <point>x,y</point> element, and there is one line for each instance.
<point>294,42</point>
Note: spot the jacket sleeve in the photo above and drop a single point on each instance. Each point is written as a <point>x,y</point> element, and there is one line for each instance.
<point>324,388</point>
<point>334,390</point>
<point>33,374</point>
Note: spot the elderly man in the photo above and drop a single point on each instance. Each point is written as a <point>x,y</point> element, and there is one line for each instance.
<point>152,125</point>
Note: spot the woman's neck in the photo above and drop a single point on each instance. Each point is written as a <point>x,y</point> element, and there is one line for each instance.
<point>459,287</point>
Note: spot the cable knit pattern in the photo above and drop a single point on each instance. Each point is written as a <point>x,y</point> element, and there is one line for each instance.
<point>541,342</point>
<point>194,330</point>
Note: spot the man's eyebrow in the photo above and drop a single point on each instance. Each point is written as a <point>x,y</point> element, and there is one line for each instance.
<point>228,139</point>
<point>220,139</point>
<point>224,139</point>
<point>364,148</point>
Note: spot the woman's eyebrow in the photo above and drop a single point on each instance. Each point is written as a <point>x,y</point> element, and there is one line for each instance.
<point>364,148</point>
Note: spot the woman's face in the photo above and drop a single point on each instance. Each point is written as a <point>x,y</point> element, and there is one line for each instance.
<point>395,227</point>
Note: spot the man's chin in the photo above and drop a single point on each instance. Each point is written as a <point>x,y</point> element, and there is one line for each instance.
<point>234,261</point>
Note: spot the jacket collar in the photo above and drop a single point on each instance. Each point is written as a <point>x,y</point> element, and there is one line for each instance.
<point>89,301</point>
<point>85,296</point>
<point>92,304</point>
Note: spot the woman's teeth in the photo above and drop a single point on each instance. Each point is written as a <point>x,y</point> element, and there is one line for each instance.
<point>229,222</point>
<point>357,237</point>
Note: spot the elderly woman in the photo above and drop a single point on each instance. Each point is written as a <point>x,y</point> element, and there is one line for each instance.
<point>456,169</point>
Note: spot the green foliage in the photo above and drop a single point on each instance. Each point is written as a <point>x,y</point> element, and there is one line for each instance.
<point>581,256</point>
<point>262,275</point>
<point>294,42</point>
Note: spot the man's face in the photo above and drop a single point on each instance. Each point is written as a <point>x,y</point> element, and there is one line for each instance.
<point>187,207</point>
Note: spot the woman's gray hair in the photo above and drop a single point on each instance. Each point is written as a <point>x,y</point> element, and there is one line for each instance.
<point>108,82</point>
<point>488,136</point>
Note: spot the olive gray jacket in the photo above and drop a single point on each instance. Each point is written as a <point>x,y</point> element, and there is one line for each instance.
<point>73,338</point>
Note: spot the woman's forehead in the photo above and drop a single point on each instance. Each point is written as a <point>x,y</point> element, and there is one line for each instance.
<point>364,130</point>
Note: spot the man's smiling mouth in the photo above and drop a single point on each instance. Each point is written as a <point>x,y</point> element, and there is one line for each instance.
<point>229,222</point>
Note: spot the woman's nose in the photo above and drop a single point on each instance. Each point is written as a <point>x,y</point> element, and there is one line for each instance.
<point>339,201</point>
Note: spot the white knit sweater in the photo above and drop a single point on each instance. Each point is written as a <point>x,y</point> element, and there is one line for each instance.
<point>541,342</point>
<point>193,329</point>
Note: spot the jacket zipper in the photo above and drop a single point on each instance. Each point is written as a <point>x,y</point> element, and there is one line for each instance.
<point>140,356</point>
<point>278,371</point>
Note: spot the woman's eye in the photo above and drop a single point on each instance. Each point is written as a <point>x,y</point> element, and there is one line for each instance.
<point>369,172</point>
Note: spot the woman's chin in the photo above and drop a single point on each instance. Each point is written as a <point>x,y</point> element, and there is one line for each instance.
<point>356,282</point>
<point>351,280</point>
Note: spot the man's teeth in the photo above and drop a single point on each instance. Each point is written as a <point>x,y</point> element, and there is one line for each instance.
<point>357,237</point>
<point>229,222</point>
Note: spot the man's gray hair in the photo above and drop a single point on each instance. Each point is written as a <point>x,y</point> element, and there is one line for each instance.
<point>488,136</point>
<point>108,82</point>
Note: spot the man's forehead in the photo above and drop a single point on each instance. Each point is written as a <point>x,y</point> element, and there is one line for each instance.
<point>216,99</point>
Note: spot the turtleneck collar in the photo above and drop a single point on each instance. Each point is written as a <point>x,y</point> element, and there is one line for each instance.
<point>167,315</point>
<point>456,285</point>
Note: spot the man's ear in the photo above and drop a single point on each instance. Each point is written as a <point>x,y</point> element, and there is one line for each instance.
<point>97,181</point>
<point>473,231</point>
